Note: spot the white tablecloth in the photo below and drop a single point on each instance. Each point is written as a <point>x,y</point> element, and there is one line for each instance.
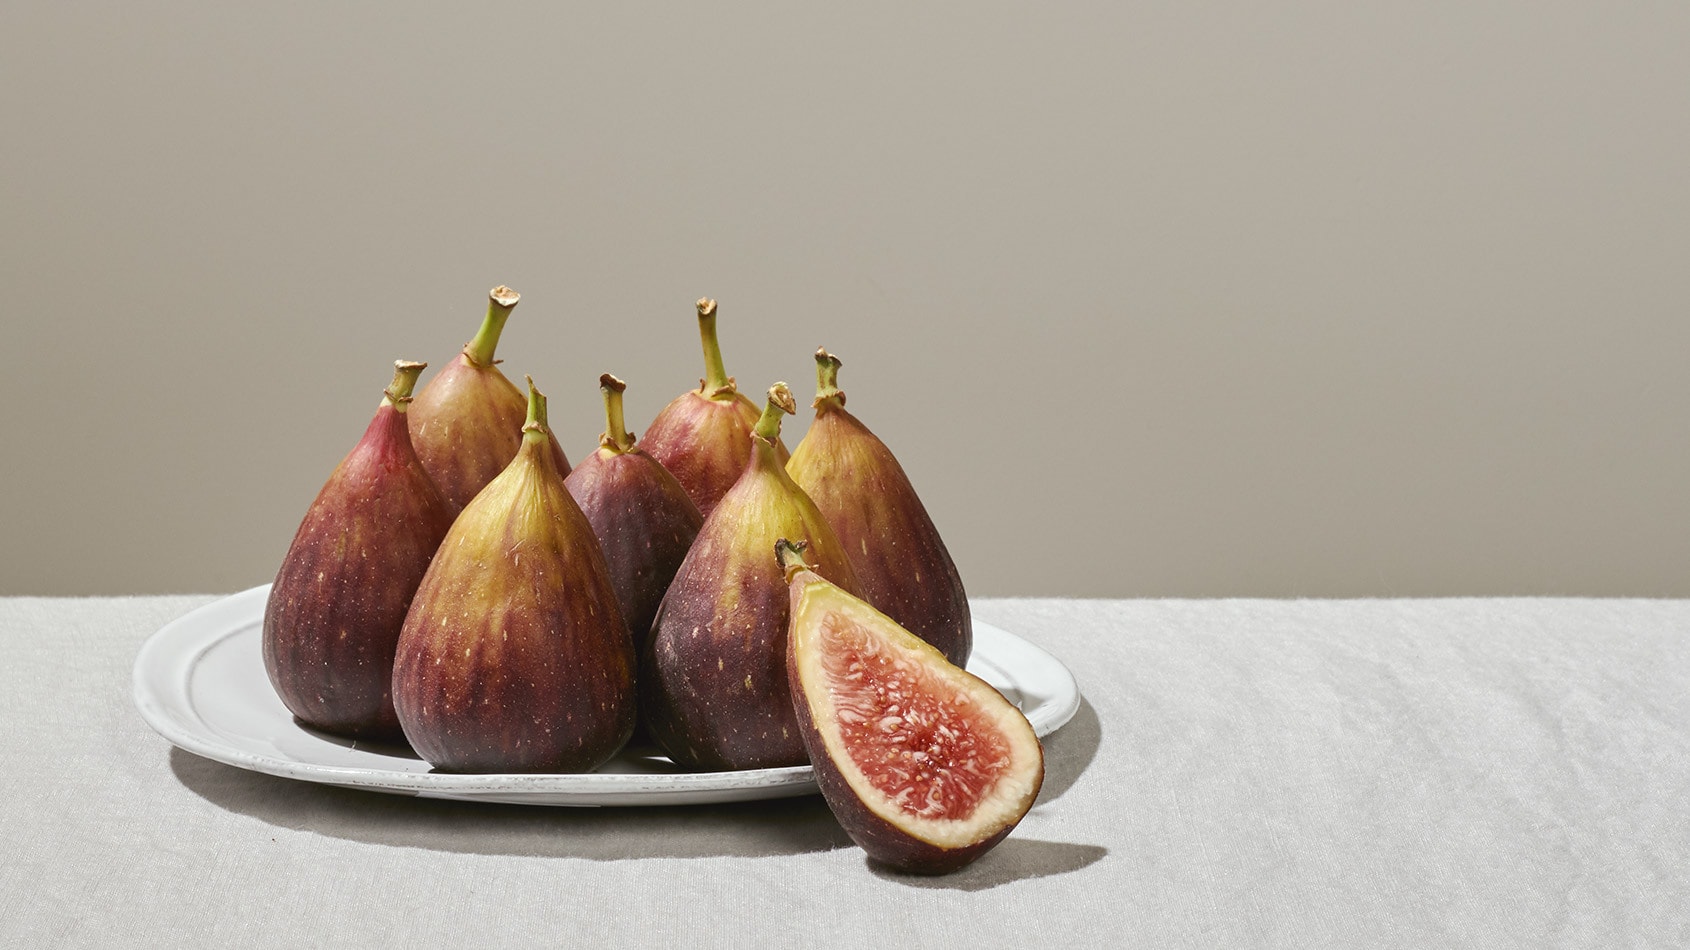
<point>1395,773</point>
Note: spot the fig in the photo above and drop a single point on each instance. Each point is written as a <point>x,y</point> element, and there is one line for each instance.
<point>926,766</point>
<point>643,518</point>
<point>703,437</point>
<point>339,600</point>
<point>902,565</point>
<point>514,656</point>
<point>467,422</point>
<point>713,690</point>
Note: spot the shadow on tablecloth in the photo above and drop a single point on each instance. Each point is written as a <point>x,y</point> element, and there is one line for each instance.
<point>1070,750</point>
<point>735,829</point>
<point>1015,859</point>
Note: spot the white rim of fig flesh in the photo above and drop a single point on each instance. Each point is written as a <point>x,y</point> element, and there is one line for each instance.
<point>1003,804</point>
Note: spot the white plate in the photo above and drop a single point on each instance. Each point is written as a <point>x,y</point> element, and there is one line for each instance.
<point>200,682</point>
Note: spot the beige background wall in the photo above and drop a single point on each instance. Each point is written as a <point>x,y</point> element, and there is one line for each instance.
<point>1152,299</point>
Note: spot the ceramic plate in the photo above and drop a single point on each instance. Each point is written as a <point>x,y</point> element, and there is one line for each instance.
<point>200,682</point>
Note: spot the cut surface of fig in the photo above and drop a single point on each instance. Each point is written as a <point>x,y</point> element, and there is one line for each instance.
<point>935,751</point>
<point>925,765</point>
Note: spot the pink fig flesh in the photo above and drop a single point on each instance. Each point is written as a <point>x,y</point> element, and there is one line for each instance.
<point>925,765</point>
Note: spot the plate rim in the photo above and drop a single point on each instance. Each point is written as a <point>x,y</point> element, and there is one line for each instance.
<point>204,627</point>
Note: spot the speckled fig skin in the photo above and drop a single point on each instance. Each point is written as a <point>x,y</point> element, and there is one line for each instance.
<point>713,690</point>
<point>902,565</point>
<point>334,613</point>
<point>883,841</point>
<point>515,657</point>
<point>641,515</point>
<point>467,422</point>
<point>703,437</point>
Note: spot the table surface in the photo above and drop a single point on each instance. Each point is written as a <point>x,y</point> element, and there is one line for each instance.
<point>1370,773</point>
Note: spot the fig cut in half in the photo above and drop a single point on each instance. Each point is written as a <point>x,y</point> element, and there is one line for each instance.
<point>925,765</point>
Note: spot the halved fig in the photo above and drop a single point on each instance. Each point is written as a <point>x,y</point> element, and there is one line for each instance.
<point>925,765</point>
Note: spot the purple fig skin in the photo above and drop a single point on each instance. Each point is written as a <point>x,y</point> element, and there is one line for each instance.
<point>882,839</point>
<point>713,688</point>
<point>902,565</point>
<point>645,524</point>
<point>705,443</point>
<point>340,598</point>
<point>467,422</point>
<point>703,437</point>
<point>514,656</point>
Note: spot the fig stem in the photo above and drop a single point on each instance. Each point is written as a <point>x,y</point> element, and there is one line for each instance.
<point>501,300</point>
<point>791,557</point>
<point>780,403</point>
<point>398,393</point>
<point>716,384</point>
<point>534,430</point>
<point>827,379</point>
<point>616,437</point>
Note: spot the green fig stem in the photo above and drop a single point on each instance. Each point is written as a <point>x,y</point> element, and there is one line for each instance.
<point>616,437</point>
<point>501,300</point>
<point>791,557</point>
<point>780,403</point>
<point>716,384</point>
<point>534,430</point>
<point>827,379</point>
<point>398,393</point>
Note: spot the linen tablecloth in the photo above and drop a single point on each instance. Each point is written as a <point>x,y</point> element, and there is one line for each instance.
<point>1241,773</point>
